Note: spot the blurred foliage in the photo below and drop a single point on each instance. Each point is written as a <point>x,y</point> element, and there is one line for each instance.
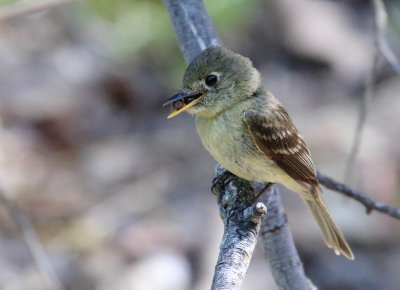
<point>2,2</point>
<point>151,19</point>
<point>228,15</point>
<point>134,25</point>
<point>142,28</point>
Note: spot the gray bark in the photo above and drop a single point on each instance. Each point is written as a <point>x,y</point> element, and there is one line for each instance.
<point>192,25</point>
<point>241,216</point>
<point>240,211</point>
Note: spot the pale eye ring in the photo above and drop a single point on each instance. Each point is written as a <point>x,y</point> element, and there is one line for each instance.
<point>211,80</point>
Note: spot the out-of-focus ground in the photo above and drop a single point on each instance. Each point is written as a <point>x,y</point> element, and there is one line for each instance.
<point>120,197</point>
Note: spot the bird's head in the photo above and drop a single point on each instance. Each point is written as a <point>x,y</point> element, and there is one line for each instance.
<point>213,82</point>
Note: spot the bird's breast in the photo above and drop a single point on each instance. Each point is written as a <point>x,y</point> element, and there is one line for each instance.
<point>228,140</point>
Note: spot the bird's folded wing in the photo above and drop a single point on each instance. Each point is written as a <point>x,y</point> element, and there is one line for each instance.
<point>275,136</point>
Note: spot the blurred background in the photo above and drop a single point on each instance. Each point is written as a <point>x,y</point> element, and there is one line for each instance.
<point>120,197</point>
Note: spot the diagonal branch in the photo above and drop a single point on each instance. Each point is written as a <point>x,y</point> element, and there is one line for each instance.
<point>369,204</point>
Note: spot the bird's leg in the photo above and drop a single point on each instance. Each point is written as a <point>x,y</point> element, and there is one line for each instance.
<point>264,189</point>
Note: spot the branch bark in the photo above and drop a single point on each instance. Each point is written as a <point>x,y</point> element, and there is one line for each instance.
<point>192,25</point>
<point>242,218</point>
<point>236,197</point>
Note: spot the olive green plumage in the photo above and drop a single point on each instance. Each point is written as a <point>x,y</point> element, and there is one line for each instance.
<point>248,131</point>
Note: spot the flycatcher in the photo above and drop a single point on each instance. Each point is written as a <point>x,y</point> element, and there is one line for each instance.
<point>248,131</point>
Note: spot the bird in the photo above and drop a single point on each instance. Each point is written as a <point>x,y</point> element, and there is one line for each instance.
<point>248,131</point>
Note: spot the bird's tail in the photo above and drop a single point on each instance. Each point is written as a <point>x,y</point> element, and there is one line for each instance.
<point>333,237</point>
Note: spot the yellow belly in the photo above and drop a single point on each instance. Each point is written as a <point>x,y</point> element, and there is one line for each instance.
<point>233,148</point>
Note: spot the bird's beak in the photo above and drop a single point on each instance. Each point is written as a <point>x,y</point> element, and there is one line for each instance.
<point>182,101</point>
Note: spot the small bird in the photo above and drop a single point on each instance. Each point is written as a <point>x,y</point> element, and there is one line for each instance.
<point>248,131</point>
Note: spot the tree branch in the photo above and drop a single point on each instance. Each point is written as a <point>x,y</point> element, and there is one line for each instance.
<point>279,249</point>
<point>369,204</point>
<point>193,27</point>
<point>195,33</point>
<point>242,218</point>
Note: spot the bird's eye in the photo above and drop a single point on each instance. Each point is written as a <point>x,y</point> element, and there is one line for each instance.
<point>211,80</point>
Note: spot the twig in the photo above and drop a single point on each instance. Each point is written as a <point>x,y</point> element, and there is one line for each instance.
<point>32,242</point>
<point>381,47</point>
<point>195,31</point>
<point>21,9</point>
<point>364,104</point>
<point>369,204</point>
<point>381,41</point>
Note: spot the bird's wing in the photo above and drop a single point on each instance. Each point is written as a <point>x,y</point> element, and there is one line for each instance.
<point>275,136</point>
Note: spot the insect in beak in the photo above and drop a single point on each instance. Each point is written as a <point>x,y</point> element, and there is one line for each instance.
<point>182,101</point>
